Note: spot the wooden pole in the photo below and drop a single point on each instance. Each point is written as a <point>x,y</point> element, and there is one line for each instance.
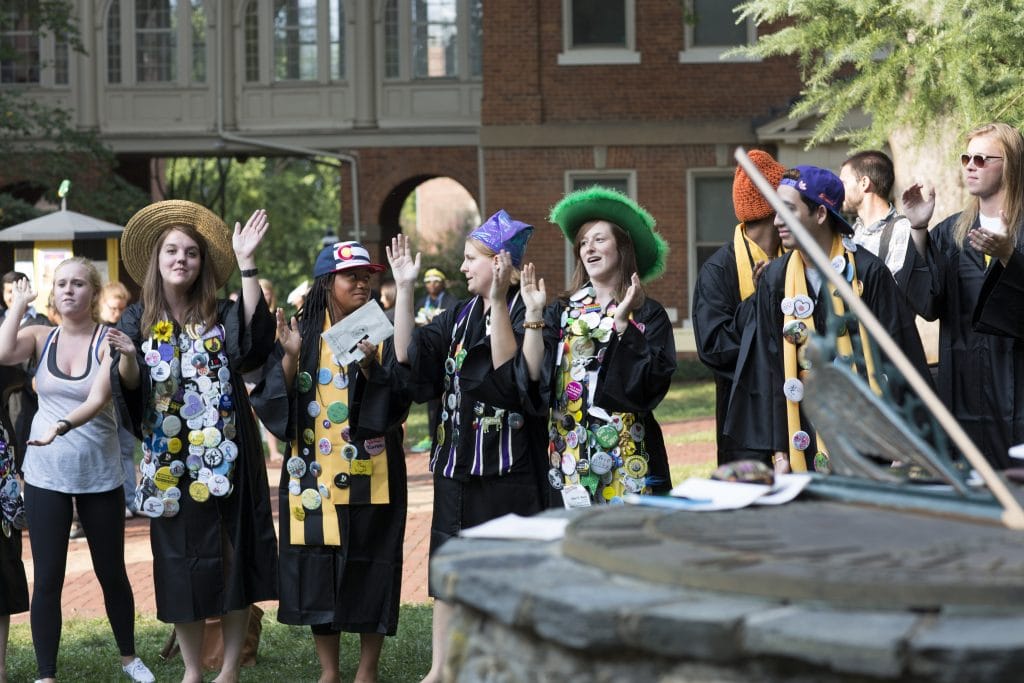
<point>1013,514</point>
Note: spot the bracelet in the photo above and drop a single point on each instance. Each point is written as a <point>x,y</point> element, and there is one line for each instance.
<point>67,427</point>
<point>535,325</point>
<point>777,458</point>
<point>251,272</point>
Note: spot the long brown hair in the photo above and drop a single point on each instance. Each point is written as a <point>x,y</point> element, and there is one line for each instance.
<point>1012,144</point>
<point>202,296</point>
<point>92,275</point>
<point>627,262</point>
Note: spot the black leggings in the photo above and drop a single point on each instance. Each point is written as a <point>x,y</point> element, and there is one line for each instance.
<point>49,521</point>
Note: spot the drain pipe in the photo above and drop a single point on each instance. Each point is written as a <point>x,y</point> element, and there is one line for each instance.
<point>339,158</point>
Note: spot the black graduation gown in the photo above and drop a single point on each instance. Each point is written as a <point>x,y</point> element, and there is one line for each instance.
<point>193,576</point>
<point>354,587</point>
<point>494,471</point>
<point>13,582</point>
<point>756,419</point>
<point>718,317</point>
<point>981,358</point>
<point>634,377</point>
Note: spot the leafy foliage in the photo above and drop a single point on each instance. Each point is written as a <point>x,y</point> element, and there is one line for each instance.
<point>40,142</point>
<point>911,65</point>
<point>14,211</point>
<point>301,196</point>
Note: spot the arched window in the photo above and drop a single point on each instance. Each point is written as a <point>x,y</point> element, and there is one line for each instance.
<point>307,40</point>
<point>156,41</point>
<point>444,39</point>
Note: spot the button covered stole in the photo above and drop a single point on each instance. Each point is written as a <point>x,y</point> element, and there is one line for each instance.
<point>328,466</point>
<point>798,310</point>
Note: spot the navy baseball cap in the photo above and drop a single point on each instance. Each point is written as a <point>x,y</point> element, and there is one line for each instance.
<point>344,256</point>
<point>822,187</point>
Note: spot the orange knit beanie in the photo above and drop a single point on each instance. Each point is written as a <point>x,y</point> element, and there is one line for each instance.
<point>746,199</point>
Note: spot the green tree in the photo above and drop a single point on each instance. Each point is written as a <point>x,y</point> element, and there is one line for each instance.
<point>301,196</point>
<point>926,71</point>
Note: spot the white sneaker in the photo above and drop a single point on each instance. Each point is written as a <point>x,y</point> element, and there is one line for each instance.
<point>138,672</point>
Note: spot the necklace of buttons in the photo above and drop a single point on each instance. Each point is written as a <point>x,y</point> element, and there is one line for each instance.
<point>191,427</point>
<point>602,452</point>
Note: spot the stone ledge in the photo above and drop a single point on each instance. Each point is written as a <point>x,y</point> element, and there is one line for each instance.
<point>577,613</point>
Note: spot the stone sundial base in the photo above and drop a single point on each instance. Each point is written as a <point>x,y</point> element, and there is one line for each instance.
<point>810,591</point>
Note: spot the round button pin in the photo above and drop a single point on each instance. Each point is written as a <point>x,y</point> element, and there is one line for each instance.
<point>793,389</point>
<point>311,499</point>
<point>164,479</point>
<point>173,493</point>
<point>324,446</point>
<point>787,306</point>
<point>324,376</point>
<point>219,485</point>
<point>337,412</point>
<point>349,452</point>
<point>171,507</point>
<point>340,380</point>
<point>313,409</point>
<point>296,466</point>
<point>555,479</point>
<point>199,492</point>
<point>803,306</point>
<point>153,507</point>
<point>601,463</point>
<point>801,440</point>
<point>374,445</point>
<point>171,425</point>
<point>341,480</point>
<point>304,382</point>
<point>325,492</point>
<point>294,487</point>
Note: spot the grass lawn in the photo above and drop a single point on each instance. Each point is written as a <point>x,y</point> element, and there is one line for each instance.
<point>88,652</point>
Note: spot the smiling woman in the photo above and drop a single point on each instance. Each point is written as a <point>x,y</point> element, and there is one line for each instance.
<point>343,487</point>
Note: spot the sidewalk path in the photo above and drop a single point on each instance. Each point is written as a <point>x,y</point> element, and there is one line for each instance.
<point>82,596</point>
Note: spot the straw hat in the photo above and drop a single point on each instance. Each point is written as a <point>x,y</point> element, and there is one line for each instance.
<point>142,232</point>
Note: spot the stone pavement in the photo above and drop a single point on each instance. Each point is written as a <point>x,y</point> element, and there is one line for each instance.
<point>82,596</point>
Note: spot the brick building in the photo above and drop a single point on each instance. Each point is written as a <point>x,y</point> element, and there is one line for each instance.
<point>516,101</point>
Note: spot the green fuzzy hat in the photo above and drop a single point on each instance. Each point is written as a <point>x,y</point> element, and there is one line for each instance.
<point>601,203</point>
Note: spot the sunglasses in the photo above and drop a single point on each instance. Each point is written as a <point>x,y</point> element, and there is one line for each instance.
<point>979,159</point>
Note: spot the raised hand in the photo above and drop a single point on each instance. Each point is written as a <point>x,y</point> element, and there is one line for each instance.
<point>288,335</point>
<point>501,276</point>
<point>23,293</point>
<point>629,303</point>
<point>532,290</point>
<point>404,268</point>
<point>918,206</point>
<point>244,240</point>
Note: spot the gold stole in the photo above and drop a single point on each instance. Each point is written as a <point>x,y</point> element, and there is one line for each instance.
<point>796,284</point>
<point>745,270</point>
<point>376,467</point>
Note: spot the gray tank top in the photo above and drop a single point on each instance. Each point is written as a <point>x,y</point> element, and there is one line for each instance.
<point>88,458</point>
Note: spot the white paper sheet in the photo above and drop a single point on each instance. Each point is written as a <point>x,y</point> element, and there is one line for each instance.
<point>706,495</point>
<point>514,527</point>
<point>367,322</point>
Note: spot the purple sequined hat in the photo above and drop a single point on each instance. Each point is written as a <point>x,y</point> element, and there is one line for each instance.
<point>501,231</point>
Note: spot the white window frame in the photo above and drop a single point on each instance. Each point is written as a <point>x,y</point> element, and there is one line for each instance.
<point>183,47</point>
<point>571,178</point>
<point>405,38</point>
<point>266,73</point>
<point>580,56</point>
<point>702,55</point>
<point>692,199</point>
<point>47,64</point>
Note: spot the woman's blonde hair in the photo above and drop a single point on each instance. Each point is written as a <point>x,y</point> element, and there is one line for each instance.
<point>1011,143</point>
<point>202,296</point>
<point>92,275</point>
